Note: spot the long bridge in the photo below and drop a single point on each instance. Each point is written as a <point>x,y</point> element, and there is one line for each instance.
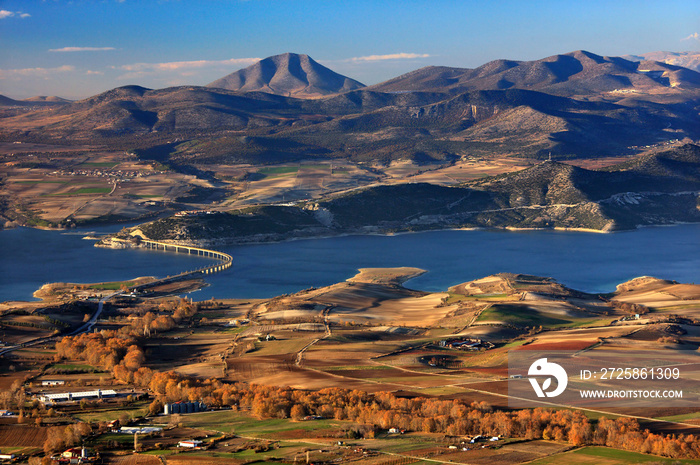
<point>226,261</point>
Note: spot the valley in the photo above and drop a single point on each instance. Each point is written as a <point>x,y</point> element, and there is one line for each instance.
<point>370,338</point>
<point>368,369</point>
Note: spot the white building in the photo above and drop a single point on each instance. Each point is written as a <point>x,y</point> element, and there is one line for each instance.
<point>190,443</point>
<point>71,396</point>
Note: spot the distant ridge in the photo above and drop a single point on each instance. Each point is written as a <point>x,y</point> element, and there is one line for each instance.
<point>290,75</point>
<point>38,100</point>
<point>45,99</point>
<point>571,74</point>
<point>690,60</point>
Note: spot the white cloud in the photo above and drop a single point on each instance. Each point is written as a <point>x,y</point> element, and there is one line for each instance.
<point>91,72</point>
<point>34,72</point>
<point>9,14</point>
<point>186,65</point>
<point>694,35</point>
<point>391,56</point>
<point>82,49</point>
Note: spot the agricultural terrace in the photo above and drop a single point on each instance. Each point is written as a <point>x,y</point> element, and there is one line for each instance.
<point>330,371</point>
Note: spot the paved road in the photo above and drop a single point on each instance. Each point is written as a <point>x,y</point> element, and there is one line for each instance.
<point>91,322</point>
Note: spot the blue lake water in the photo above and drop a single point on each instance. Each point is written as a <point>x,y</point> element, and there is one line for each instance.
<point>585,261</point>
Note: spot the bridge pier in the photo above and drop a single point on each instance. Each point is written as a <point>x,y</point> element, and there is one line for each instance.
<point>226,259</point>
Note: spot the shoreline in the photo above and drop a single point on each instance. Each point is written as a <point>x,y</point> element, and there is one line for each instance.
<point>457,238</point>
<point>224,242</point>
<point>250,240</point>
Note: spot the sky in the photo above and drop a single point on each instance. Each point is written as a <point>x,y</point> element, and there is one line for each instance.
<point>75,49</point>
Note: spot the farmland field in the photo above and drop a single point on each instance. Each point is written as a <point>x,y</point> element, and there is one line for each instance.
<point>607,456</point>
<point>22,436</point>
<point>370,334</point>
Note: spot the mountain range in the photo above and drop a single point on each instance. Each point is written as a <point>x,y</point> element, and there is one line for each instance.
<point>574,105</point>
<point>578,73</point>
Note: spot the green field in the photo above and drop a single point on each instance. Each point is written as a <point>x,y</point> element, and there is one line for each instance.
<point>278,170</point>
<point>228,421</point>
<point>683,417</point>
<point>606,456</point>
<point>69,367</point>
<point>82,191</point>
<point>521,316</point>
<point>41,182</point>
<point>357,367</point>
<point>136,410</point>
<point>98,164</point>
<point>454,298</point>
<point>113,286</point>
<point>88,190</point>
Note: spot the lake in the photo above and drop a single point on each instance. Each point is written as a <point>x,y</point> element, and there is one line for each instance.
<point>585,261</point>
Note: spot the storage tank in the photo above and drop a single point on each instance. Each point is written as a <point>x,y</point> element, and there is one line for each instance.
<point>167,409</point>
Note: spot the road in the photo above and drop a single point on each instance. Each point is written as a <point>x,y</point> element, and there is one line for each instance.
<point>86,327</point>
<point>91,322</point>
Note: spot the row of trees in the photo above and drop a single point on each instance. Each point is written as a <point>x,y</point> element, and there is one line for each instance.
<point>451,417</point>
<point>105,349</point>
<point>59,438</point>
<point>151,323</point>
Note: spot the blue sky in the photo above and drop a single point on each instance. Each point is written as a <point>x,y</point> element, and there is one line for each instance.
<point>78,48</point>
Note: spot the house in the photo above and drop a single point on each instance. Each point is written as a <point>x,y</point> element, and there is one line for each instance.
<point>466,344</point>
<point>78,455</point>
<point>53,382</point>
<point>190,444</point>
<point>72,453</point>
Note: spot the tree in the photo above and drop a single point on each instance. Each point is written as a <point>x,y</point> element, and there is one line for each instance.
<point>298,412</point>
<point>155,407</point>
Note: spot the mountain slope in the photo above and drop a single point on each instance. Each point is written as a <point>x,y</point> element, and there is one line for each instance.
<point>663,188</point>
<point>362,125</point>
<point>289,74</point>
<point>575,73</point>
